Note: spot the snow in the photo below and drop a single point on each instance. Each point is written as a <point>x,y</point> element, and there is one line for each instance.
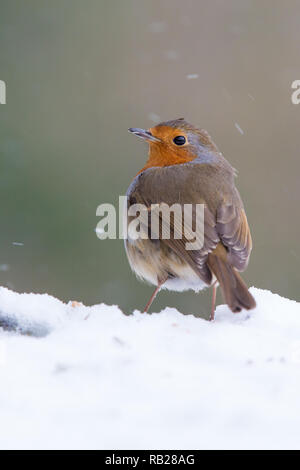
<point>192,76</point>
<point>4,267</point>
<point>154,117</point>
<point>158,27</point>
<point>238,127</point>
<point>92,377</point>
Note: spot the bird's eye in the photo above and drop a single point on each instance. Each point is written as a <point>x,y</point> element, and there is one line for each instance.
<point>179,140</point>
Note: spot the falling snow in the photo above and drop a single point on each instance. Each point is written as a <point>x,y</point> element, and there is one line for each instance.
<point>154,117</point>
<point>192,76</point>
<point>158,27</point>
<point>239,128</point>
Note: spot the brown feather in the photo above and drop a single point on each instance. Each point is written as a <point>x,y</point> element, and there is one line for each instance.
<point>234,290</point>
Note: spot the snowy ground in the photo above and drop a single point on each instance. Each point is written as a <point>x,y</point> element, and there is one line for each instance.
<point>91,377</point>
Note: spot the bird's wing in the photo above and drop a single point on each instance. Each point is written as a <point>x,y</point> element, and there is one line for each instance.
<point>224,216</point>
<point>169,186</point>
<point>233,230</point>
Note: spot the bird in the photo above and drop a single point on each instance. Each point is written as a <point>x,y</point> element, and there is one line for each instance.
<point>185,167</point>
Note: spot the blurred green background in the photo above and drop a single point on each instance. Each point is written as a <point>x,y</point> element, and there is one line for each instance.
<point>79,73</point>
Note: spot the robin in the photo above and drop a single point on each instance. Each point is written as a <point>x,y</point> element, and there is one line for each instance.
<point>185,167</point>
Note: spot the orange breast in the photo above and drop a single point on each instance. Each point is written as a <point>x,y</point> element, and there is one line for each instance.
<point>162,155</point>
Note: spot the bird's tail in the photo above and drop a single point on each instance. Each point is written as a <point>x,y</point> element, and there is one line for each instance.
<point>234,290</point>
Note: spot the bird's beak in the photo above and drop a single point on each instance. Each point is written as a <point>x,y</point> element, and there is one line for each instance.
<point>143,134</point>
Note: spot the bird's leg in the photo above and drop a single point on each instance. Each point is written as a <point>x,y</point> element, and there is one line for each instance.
<point>213,301</point>
<point>159,284</point>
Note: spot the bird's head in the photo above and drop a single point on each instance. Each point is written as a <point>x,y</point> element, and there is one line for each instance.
<point>175,142</point>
